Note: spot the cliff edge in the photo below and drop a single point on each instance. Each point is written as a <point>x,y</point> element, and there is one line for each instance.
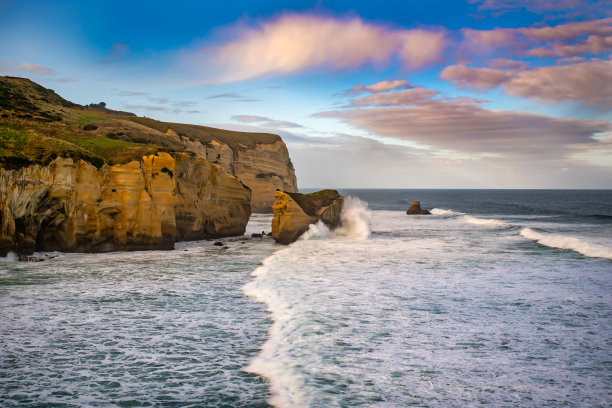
<point>37,126</point>
<point>294,212</point>
<point>70,205</point>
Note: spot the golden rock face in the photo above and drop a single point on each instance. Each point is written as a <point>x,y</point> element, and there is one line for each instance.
<point>292,218</point>
<point>263,167</point>
<point>147,204</point>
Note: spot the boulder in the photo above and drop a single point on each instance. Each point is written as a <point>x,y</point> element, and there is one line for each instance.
<point>415,209</point>
<point>294,212</point>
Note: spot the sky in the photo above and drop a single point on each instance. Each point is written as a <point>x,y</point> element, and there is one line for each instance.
<point>385,94</point>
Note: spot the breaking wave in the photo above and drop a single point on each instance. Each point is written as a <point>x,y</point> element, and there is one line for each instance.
<point>490,222</point>
<point>566,242</point>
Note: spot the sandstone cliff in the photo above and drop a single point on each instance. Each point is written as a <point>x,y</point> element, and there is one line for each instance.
<point>294,212</point>
<point>37,126</point>
<point>261,161</point>
<point>70,205</point>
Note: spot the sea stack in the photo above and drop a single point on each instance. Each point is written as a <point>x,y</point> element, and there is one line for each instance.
<point>294,212</point>
<point>415,209</point>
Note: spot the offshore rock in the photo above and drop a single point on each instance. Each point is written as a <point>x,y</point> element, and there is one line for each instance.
<point>294,212</point>
<point>73,206</point>
<point>415,209</point>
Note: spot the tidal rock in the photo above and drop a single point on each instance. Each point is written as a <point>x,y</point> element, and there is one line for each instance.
<point>294,212</point>
<point>415,209</point>
<point>256,235</point>
<point>218,243</point>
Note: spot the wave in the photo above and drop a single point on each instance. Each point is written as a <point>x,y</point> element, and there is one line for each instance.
<point>446,213</point>
<point>10,257</point>
<point>566,242</point>
<point>491,222</point>
<point>355,221</point>
<point>286,386</point>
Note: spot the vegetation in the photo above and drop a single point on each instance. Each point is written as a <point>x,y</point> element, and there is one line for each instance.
<point>37,126</point>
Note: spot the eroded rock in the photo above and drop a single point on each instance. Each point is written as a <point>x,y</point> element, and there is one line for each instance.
<point>148,204</point>
<point>415,209</point>
<point>294,212</point>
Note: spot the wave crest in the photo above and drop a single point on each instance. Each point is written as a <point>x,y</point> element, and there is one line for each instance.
<point>566,242</point>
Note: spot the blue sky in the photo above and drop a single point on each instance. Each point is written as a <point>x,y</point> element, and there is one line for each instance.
<point>414,94</point>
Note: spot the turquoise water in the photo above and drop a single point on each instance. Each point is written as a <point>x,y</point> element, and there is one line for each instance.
<point>498,299</point>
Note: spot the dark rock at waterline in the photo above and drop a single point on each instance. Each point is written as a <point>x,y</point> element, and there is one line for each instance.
<point>415,209</point>
<point>218,243</point>
<point>256,235</point>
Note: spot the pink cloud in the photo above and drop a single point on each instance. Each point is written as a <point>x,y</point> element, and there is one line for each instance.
<point>294,43</point>
<point>405,97</point>
<point>461,125</point>
<point>588,82</point>
<point>382,86</point>
<point>476,78</point>
<point>585,37</point>
<point>569,31</point>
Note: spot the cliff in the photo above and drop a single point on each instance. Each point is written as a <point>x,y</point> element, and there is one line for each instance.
<point>37,126</point>
<point>70,205</point>
<point>294,212</point>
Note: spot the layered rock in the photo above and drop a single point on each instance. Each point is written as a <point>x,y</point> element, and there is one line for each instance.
<point>148,204</point>
<point>415,209</point>
<point>260,161</point>
<point>294,212</point>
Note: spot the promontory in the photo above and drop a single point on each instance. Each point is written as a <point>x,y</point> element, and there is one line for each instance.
<point>88,178</point>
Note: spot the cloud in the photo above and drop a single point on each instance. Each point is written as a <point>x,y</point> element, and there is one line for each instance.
<point>161,101</point>
<point>129,93</point>
<point>13,68</point>
<point>234,96</point>
<point>413,96</point>
<point>507,63</point>
<point>149,108</point>
<point>265,121</point>
<point>549,8</point>
<point>476,78</point>
<point>116,53</point>
<point>184,104</point>
<point>297,42</point>
<point>382,86</point>
<point>464,126</point>
<point>584,37</point>
<point>593,45</point>
<point>588,82</point>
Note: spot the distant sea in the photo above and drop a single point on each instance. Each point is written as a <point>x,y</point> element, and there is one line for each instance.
<point>500,298</point>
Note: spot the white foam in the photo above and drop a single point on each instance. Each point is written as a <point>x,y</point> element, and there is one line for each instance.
<point>356,218</point>
<point>287,386</point>
<point>443,212</point>
<point>10,257</point>
<point>490,222</point>
<point>579,245</point>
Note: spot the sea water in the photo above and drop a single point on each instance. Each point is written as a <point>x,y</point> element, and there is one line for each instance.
<point>497,299</point>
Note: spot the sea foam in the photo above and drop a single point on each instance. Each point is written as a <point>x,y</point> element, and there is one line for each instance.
<point>579,245</point>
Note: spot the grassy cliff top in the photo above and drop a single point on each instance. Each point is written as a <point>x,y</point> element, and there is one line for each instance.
<point>37,125</point>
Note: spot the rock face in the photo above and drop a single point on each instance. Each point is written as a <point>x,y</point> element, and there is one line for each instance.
<point>262,162</point>
<point>294,212</point>
<point>415,209</point>
<point>71,205</point>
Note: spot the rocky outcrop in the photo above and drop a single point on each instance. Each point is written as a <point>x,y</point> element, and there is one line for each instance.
<point>263,165</point>
<point>294,212</point>
<point>148,204</point>
<point>415,209</point>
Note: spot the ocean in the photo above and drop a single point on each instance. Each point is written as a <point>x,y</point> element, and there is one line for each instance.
<point>500,298</point>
